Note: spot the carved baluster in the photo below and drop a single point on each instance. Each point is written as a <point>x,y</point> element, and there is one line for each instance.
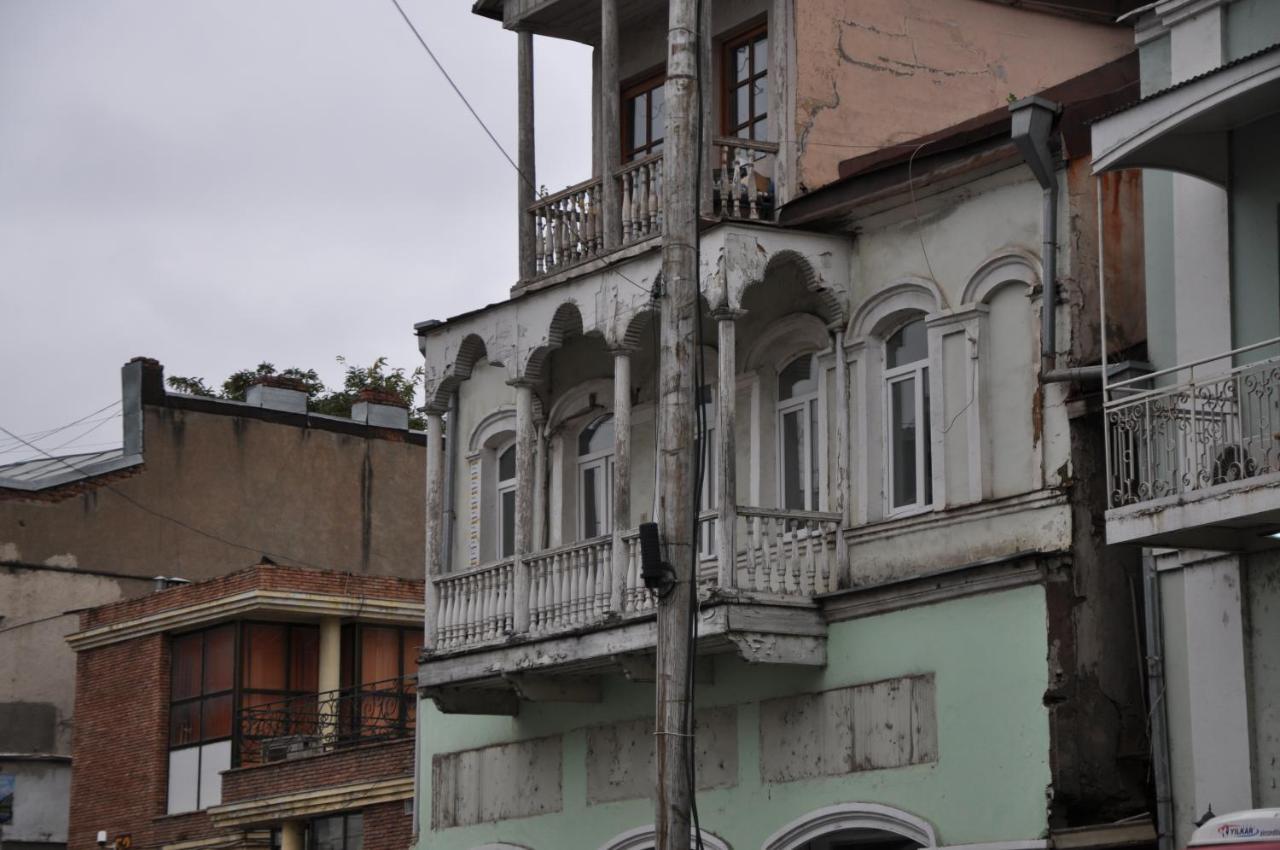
<point>625,177</point>
<point>815,539</point>
<point>753,207</point>
<point>655,202</point>
<point>725,183</point>
<point>446,601</point>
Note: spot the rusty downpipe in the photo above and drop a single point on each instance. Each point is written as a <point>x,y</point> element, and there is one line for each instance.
<point>1032,123</point>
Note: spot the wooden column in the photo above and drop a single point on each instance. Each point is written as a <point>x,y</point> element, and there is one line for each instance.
<point>706,202</point>
<point>621,472</point>
<point>434,522</point>
<point>540,485</point>
<point>524,500</point>
<point>727,453</point>
<point>329,677</point>
<point>610,125</point>
<point>840,484</point>
<point>527,179</point>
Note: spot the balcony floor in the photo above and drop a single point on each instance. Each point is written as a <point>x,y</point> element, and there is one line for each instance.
<point>560,667</point>
<point>1236,516</point>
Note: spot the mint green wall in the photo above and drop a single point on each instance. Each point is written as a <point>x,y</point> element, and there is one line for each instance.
<point>1154,59</point>
<point>989,656</point>
<point>1251,26</point>
<point>1255,232</point>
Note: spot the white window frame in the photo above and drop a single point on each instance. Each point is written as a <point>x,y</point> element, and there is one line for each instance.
<point>918,371</point>
<point>708,499</point>
<point>808,404</point>
<point>501,487</point>
<point>602,462</point>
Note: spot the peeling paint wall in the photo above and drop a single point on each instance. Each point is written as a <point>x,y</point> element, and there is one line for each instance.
<point>1262,639</point>
<point>876,72</point>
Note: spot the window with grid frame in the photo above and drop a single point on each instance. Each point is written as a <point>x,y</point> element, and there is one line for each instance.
<point>746,85</point>
<point>906,384</point>
<point>378,665</point>
<point>201,707</point>
<point>644,117</point>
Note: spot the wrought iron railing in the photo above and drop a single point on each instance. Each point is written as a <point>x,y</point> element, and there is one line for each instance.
<point>1200,431</point>
<point>305,723</point>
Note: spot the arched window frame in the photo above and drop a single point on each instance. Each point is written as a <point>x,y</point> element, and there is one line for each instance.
<point>810,450</point>
<point>599,463</point>
<point>914,374</point>
<point>504,502</point>
<point>805,831</point>
<point>644,838</point>
<point>494,434</point>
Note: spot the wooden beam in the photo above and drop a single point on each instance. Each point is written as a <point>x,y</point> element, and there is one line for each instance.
<point>536,688</point>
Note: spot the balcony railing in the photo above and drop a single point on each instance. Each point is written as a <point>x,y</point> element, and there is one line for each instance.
<point>1206,430</point>
<point>780,553</point>
<point>378,711</point>
<point>569,226</point>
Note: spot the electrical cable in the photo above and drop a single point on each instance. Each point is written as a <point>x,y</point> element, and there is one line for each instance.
<point>42,435</point>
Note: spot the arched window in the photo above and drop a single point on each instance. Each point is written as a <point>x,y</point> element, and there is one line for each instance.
<point>797,431</point>
<point>506,501</point>
<point>595,478</point>
<point>906,382</point>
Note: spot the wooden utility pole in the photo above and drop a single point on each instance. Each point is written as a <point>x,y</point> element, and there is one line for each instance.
<point>677,506</point>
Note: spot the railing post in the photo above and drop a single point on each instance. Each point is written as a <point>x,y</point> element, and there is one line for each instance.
<point>621,474</point>
<point>434,524</point>
<point>727,458</point>
<point>329,677</point>
<point>526,179</point>
<point>524,501</point>
<point>610,125</point>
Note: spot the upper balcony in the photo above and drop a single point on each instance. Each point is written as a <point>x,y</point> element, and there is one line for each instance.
<point>1193,454</point>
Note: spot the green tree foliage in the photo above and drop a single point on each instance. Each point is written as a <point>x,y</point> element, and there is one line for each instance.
<point>377,381</point>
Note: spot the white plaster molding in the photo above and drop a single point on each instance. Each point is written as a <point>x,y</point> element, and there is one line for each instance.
<point>499,421</point>
<point>500,846</point>
<point>574,401</point>
<point>1014,265</point>
<point>816,824</point>
<point>643,838</point>
<point>911,294</point>
<point>786,338</point>
<point>1024,844</point>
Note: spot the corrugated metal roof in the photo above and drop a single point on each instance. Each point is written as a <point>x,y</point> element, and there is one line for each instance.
<point>44,472</point>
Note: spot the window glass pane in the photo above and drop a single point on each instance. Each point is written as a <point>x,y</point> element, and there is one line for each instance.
<point>796,379</point>
<point>590,502</point>
<point>304,666</point>
<point>214,758</point>
<point>264,656</point>
<point>217,717</point>
<point>184,723</point>
<point>924,435</point>
<point>759,98</point>
<point>184,780</point>
<point>761,50</point>
<point>902,436</point>
<point>508,523</point>
<point>742,104</point>
<point>813,456</point>
<point>596,437</point>
<point>908,345</point>
<point>355,832</point>
<point>379,654</point>
<point>219,659</point>
<point>657,114</point>
<point>741,62</point>
<point>326,833</point>
<point>793,437</point>
<point>639,109</point>
<point>507,464</point>
<point>185,677</point>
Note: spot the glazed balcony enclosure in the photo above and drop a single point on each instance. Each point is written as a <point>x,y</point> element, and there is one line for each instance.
<point>619,206</point>
<point>1193,449</point>
<point>548,467</point>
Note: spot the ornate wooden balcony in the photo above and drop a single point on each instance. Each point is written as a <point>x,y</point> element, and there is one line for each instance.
<point>571,226</point>
<point>1193,452</point>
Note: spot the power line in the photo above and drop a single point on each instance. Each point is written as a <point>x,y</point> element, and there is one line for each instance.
<point>45,434</point>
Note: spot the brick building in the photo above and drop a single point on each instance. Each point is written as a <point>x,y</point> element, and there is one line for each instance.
<point>272,707</point>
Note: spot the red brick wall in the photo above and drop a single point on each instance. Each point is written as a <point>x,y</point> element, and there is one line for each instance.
<point>256,578</point>
<point>120,767</point>
<point>388,827</point>
<point>367,763</point>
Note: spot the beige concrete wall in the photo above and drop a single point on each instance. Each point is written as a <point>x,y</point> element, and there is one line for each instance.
<point>876,72</point>
<point>305,496</point>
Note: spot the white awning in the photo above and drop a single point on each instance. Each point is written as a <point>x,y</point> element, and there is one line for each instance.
<point>1185,127</point>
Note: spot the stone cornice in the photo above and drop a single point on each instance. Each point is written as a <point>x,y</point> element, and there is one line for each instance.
<point>289,603</point>
<point>310,803</point>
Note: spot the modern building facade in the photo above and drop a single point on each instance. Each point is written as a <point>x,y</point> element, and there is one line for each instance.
<point>198,487</point>
<point>273,707</point>
<point>910,632</point>
<point>1192,446</point>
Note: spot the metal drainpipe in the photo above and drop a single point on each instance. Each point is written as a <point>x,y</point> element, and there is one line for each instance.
<point>1152,615</point>
<point>1032,122</point>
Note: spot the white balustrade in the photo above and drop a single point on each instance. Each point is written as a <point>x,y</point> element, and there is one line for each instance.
<point>788,552</point>
<point>569,585</point>
<point>568,227</point>
<point>745,185</point>
<point>635,596</point>
<point>475,606</point>
<point>641,199</point>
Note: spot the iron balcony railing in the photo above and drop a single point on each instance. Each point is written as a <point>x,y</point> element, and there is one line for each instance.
<point>306,723</point>
<point>1195,426</point>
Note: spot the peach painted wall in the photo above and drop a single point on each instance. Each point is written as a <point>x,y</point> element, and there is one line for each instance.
<point>875,72</point>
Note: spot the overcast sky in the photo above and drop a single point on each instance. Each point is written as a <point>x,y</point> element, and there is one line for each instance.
<point>214,183</point>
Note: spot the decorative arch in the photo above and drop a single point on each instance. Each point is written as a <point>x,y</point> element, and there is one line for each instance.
<point>1010,267</point>
<point>501,846</point>
<point>498,422</point>
<point>574,402</point>
<point>816,824</point>
<point>565,323</point>
<point>830,304</point>
<point>640,328</point>
<point>644,837</point>
<point>880,311</point>
<point>470,352</point>
<point>793,334</point>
